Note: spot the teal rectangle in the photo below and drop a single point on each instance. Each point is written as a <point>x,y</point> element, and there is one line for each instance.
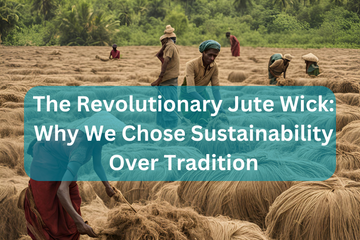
<point>254,140</point>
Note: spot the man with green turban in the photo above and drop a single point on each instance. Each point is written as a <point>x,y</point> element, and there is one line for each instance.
<point>200,72</point>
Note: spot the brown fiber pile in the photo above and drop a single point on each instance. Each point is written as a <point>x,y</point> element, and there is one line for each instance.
<point>237,76</point>
<point>327,210</point>
<point>162,221</point>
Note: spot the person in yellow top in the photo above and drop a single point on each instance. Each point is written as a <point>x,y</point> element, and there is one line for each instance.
<point>278,64</point>
<point>200,72</point>
<point>167,81</point>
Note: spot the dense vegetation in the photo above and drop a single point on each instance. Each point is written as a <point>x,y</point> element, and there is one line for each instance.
<point>272,23</point>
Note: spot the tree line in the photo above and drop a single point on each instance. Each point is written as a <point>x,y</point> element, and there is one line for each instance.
<point>271,23</point>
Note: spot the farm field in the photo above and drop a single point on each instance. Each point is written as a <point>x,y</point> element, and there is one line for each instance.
<point>189,210</point>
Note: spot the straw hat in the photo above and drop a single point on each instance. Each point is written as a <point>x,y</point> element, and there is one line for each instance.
<point>169,29</point>
<point>288,57</point>
<point>310,57</point>
<point>169,32</point>
<point>105,119</point>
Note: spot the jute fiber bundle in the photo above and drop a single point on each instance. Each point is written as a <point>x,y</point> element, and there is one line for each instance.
<point>352,174</point>
<point>327,210</point>
<point>168,193</point>
<point>154,221</point>
<point>347,160</point>
<point>350,133</point>
<point>247,200</point>
<point>224,228</point>
<point>310,57</point>
<point>346,114</point>
<point>87,192</point>
<point>352,99</point>
<point>12,219</point>
<point>336,85</point>
<point>286,82</point>
<point>237,76</point>
<point>346,146</point>
<point>102,58</point>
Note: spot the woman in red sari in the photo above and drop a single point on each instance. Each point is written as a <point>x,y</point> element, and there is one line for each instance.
<point>52,207</point>
<point>235,45</point>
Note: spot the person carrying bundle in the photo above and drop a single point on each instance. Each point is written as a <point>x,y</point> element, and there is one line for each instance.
<point>52,206</point>
<point>311,66</point>
<point>235,45</point>
<point>200,72</point>
<point>278,64</point>
<point>167,81</point>
<point>114,54</point>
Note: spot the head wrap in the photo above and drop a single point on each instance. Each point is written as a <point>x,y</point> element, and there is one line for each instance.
<point>288,57</point>
<point>168,33</point>
<point>209,44</point>
<point>114,46</point>
<point>227,33</point>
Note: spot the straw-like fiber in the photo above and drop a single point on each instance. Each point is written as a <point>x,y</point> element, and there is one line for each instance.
<point>310,57</point>
<point>350,133</point>
<point>327,210</point>
<point>237,76</point>
<point>154,221</point>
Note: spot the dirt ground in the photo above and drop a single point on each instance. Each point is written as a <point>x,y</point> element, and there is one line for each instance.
<point>22,68</point>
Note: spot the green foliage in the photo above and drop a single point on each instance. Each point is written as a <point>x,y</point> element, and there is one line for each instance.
<point>285,23</point>
<point>271,23</point>
<point>177,20</point>
<point>9,17</point>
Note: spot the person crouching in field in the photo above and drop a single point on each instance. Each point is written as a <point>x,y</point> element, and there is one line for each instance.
<point>167,81</point>
<point>278,64</point>
<point>114,54</point>
<point>52,206</point>
<point>311,66</point>
<point>200,72</point>
<point>235,45</point>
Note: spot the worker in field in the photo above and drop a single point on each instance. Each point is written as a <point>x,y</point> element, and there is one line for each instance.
<point>114,53</point>
<point>167,81</point>
<point>311,64</point>
<point>200,72</point>
<point>278,64</point>
<point>235,45</point>
<point>52,200</point>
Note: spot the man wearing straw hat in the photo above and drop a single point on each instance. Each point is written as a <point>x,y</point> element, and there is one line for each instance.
<point>278,64</point>
<point>167,81</point>
<point>52,206</point>
<point>200,72</point>
<point>114,54</point>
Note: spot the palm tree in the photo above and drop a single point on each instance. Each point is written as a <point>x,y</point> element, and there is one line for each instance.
<point>44,7</point>
<point>9,16</point>
<point>283,3</point>
<point>125,13</point>
<point>243,5</point>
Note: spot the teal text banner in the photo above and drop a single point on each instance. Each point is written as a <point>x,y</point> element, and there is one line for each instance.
<point>123,133</point>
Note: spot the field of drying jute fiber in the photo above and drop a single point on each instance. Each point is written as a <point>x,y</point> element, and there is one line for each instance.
<point>328,210</point>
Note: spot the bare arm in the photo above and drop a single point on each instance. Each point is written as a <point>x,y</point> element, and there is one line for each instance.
<point>98,167</point>
<point>163,69</point>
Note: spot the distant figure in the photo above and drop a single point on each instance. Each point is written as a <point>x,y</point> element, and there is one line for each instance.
<point>168,78</point>
<point>114,54</point>
<point>311,66</point>
<point>278,64</point>
<point>235,45</point>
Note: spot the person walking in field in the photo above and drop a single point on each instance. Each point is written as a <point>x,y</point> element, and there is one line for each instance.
<point>311,64</point>
<point>114,54</point>
<point>167,81</point>
<point>51,205</point>
<point>200,72</point>
<point>235,45</point>
<point>278,64</point>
